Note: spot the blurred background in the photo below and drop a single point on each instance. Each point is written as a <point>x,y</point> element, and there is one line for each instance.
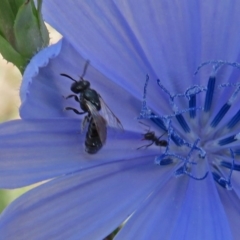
<point>10,81</point>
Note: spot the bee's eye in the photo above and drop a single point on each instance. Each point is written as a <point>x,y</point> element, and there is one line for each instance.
<point>76,87</point>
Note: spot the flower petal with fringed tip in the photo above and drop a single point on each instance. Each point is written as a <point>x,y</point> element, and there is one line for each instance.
<point>195,194</point>
<point>47,141</point>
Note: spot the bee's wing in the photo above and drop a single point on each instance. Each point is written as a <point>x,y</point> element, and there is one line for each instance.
<point>99,121</point>
<point>112,120</point>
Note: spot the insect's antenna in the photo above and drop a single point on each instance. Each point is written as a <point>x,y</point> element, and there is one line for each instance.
<point>65,75</point>
<point>85,69</point>
<point>145,125</point>
<point>162,135</point>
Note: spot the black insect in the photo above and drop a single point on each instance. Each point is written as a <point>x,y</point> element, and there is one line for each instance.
<point>91,103</point>
<point>150,135</point>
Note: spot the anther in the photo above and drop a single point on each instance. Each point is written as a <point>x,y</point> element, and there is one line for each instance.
<point>234,120</point>
<point>192,104</point>
<point>221,181</point>
<point>209,94</point>
<point>183,123</point>
<point>227,140</point>
<point>226,183</point>
<point>220,115</point>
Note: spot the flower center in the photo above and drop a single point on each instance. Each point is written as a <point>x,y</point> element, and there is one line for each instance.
<point>198,145</point>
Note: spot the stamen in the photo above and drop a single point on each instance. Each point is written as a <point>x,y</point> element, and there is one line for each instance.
<point>229,165</point>
<point>183,123</point>
<point>182,171</point>
<point>196,154</point>
<point>194,90</point>
<point>220,115</point>
<point>162,161</point>
<point>166,161</point>
<point>144,110</point>
<point>234,120</point>
<point>209,94</point>
<point>177,140</point>
<point>158,121</point>
<point>237,151</point>
<point>227,140</point>
<point>192,104</point>
<point>163,88</point>
<point>172,135</point>
<point>190,94</point>
<point>233,97</point>
<point>221,181</point>
<point>217,65</point>
<point>225,183</point>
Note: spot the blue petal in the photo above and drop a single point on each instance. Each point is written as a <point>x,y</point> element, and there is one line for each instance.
<point>231,202</point>
<point>39,60</point>
<point>126,42</point>
<point>43,90</point>
<point>87,204</point>
<point>187,208</point>
<point>36,150</point>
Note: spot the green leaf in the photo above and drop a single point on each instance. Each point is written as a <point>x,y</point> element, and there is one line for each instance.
<point>42,26</point>
<point>6,21</point>
<point>28,35</point>
<point>22,31</point>
<point>16,4</point>
<point>9,53</point>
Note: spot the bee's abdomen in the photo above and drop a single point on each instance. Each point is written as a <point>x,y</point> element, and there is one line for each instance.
<point>92,143</point>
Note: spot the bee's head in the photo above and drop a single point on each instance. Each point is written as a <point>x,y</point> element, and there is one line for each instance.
<point>80,86</point>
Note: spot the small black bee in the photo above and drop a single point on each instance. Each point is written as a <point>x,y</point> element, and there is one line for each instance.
<point>150,135</point>
<point>91,102</point>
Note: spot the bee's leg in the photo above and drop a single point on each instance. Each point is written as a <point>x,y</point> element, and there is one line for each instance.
<point>75,110</point>
<point>74,96</point>
<point>84,122</point>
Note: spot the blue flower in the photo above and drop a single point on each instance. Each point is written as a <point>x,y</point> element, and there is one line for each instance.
<point>188,189</point>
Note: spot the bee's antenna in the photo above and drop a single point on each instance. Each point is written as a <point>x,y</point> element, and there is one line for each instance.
<point>65,75</point>
<point>85,69</point>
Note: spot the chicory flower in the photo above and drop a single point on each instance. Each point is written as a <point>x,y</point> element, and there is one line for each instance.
<point>186,190</point>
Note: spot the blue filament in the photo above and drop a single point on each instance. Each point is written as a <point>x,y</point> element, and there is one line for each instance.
<point>192,154</point>
<point>229,165</point>
<point>164,89</point>
<point>182,170</point>
<point>226,183</point>
<point>234,120</point>
<point>227,140</point>
<point>237,151</point>
<point>183,123</point>
<point>217,64</point>
<point>166,161</point>
<point>221,181</point>
<point>192,105</point>
<point>209,94</point>
<point>177,140</point>
<point>158,121</point>
<point>162,161</point>
<point>220,115</point>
